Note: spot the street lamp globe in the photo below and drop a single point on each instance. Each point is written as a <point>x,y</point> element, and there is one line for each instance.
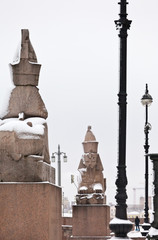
<point>147,99</point>
<point>53,157</point>
<point>59,153</point>
<point>65,158</point>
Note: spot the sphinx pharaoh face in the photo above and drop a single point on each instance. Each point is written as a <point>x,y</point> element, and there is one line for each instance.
<point>90,160</point>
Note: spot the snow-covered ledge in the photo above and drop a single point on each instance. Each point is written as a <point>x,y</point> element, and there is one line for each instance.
<point>120,227</point>
<point>153,233</point>
<point>120,221</point>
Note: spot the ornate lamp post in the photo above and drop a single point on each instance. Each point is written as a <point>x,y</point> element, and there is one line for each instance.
<point>146,101</point>
<point>120,225</point>
<point>59,162</point>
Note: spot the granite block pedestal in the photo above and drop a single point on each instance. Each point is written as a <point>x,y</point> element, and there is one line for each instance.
<point>30,211</point>
<point>91,222</point>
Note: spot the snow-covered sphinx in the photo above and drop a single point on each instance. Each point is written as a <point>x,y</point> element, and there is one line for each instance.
<point>23,127</point>
<point>91,184</point>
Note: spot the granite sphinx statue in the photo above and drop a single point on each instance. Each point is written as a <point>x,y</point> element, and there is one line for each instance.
<point>91,184</point>
<point>24,153</point>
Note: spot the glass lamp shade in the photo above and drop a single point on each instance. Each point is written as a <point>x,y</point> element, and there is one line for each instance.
<point>146,100</point>
<point>65,158</point>
<point>53,158</point>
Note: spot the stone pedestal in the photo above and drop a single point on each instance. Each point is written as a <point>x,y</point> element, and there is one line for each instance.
<point>91,222</point>
<point>30,211</point>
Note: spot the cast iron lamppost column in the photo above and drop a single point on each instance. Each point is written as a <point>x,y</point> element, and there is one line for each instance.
<point>123,24</point>
<point>123,226</point>
<point>59,162</point>
<point>146,101</point>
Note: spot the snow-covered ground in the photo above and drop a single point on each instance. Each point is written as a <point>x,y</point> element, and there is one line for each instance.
<point>135,234</point>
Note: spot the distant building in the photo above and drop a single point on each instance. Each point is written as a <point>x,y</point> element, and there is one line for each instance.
<point>66,205</point>
<point>134,210</point>
<point>138,209</point>
<point>134,214</point>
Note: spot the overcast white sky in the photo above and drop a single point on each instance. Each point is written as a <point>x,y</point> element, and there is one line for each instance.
<point>78,46</point>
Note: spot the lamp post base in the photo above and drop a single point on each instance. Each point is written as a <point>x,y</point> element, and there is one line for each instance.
<point>146,227</point>
<point>120,227</point>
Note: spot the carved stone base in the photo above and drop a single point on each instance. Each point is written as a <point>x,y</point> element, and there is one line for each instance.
<point>30,211</point>
<point>93,198</point>
<point>28,169</point>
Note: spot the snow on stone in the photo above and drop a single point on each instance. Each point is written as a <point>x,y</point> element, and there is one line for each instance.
<point>22,128</point>
<point>97,186</point>
<point>16,58</point>
<point>134,234</point>
<point>21,116</point>
<point>153,232</point>
<point>28,136</point>
<point>36,156</point>
<point>36,120</point>
<point>146,224</point>
<point>83,188</point>
<point>5,103</point>
<point>87,154</point>
<point>89,196</point>
<point>92,195</point>
<point>36,63</point>
<point>81,170</point>
<point>120,221</point>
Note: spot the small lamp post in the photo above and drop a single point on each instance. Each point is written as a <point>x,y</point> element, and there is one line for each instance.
<point>146,101</point>
<point>59,162</point>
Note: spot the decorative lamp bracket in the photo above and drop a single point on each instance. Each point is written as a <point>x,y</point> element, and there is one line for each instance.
<point>147,127</point>
<point>123,24</point>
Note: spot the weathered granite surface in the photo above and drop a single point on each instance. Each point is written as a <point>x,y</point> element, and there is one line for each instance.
<point>30,211</point>
<point>28,169</point>
<point>91,222</point>
<point>27,100</point>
